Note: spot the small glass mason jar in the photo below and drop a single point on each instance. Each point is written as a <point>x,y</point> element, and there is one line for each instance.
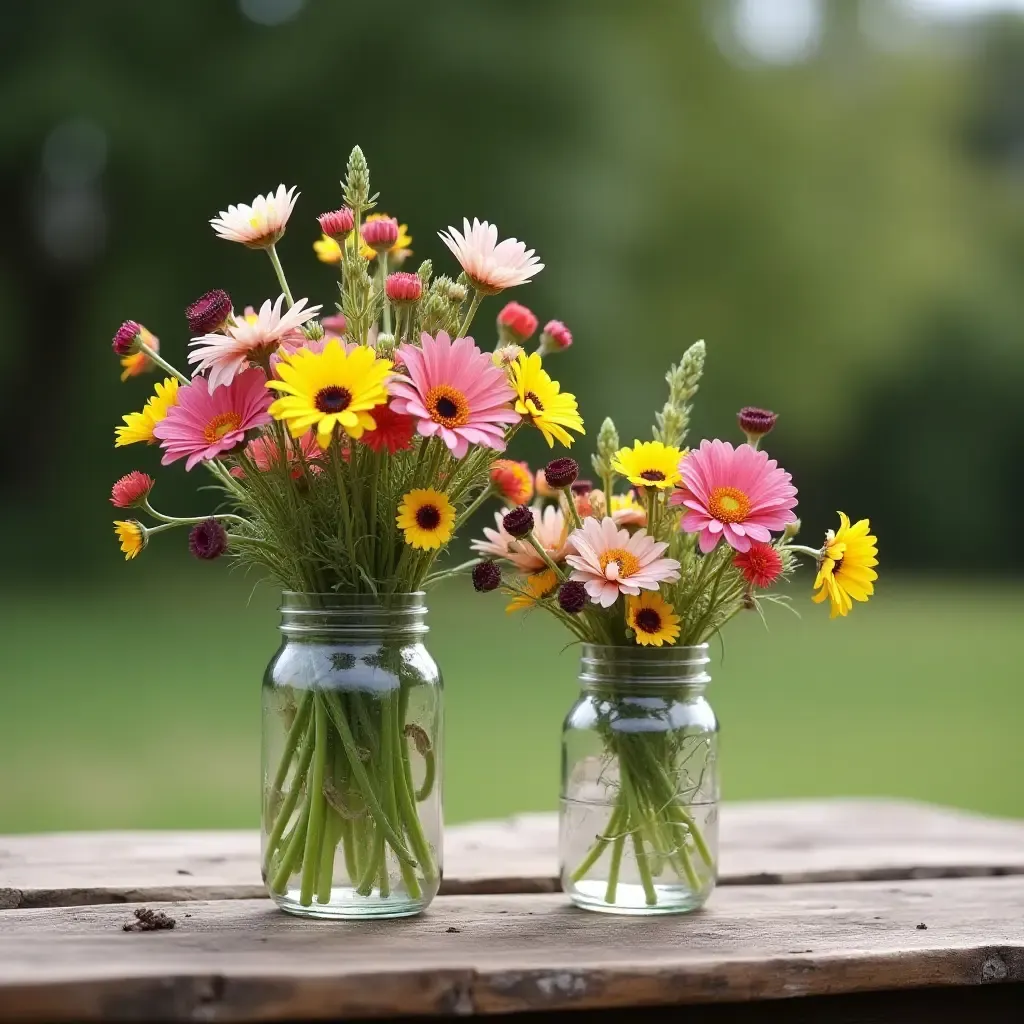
<point>638,828</point>
<point>352,722</point>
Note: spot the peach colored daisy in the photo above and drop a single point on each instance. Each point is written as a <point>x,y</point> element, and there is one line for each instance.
<point>550,530</point>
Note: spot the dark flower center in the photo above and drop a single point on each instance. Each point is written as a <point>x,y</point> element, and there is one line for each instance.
<point>446,408</point>
<point>428,517</point>
<point>837,566</point>
<point>648,620</point>
<point>333,399</point>
<point>531,396</point>
<point>652,474</point>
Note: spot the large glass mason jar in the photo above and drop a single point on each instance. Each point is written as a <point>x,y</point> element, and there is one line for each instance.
<point>352,758</point>
<point>639,808</point>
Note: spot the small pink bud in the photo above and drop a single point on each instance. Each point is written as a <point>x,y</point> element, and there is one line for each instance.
<point>382,234</point>
<point>335,324</point>
<point>126,340</point>
<point>555,337</point>
<point>516,323</point>
<point>337,223</point>
<point>403,287</point>
<point>131,490</point>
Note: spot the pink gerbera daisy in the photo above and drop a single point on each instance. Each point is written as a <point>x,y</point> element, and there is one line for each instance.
<point>265,453</point>
<point>609,561</point>
<point>736,493</point>
<point>549,530</point>
<point>455,391</point>
<point>251,339</point>
<point>205,423</point>
<point>491,265</point>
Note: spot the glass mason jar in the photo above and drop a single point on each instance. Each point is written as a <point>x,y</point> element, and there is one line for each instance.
<point>638,830</point>
<point>352,759</point>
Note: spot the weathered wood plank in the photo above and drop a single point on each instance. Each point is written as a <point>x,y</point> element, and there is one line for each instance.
<point>762,843</point>
<point>245,960</point>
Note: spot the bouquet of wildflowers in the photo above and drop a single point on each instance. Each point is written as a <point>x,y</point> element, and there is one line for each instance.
<point>347,449</point>
<point>663,548</point>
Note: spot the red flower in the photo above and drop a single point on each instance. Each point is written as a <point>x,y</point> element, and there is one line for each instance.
<point>337,223</point>
<point>401,287</point>
<point>394,430</point>
<point>518,320</point>
<point>131,490</point>
<point>761,565</point>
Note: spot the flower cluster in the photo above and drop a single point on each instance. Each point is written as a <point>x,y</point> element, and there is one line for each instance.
<point>348,447</point>
<point>673,542</point>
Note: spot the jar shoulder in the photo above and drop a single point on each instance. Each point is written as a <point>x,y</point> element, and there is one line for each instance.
<point>351,666</point>
<point>650,714</point>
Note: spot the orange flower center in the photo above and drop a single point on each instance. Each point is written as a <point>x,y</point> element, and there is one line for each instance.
<point>447,406</point>
<point>647,620</point>
<point>221,424</point>
<point>729,505</point>
<point>625,563</point>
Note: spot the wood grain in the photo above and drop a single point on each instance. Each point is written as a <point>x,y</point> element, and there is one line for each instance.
<point>245,960</point>
<point>762,843</point>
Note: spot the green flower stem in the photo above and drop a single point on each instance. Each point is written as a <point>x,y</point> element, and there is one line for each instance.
<point>163,364</point>
<point>279,884</point>
<point>390,778</point>
<point>279,270</point>
<point>613,872</point>
<point>382,259</point>
<point>436,577</point>
<point>190,520</point>
<point>407,795</point>
<point>316,802</point>
<point>536,545</point>
<point>639,853</point>
<point>486,493</point>
<point>574,512</point>
<point>292,796</point>
<point>473,307</point>
<point>365,786</point>
<point>615,825</point>
<point>802,549</point>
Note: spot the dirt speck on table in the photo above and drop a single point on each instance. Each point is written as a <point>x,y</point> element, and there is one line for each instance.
<point>147,920</point>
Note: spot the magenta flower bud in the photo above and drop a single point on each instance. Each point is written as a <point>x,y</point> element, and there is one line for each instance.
<point>126,340</point>
<point>755,423</point>
<point>402,287</point>
<point>516,323</point>
<point>561,473</point>
<point>380,235</point>
<point>519,522</point>
<point>208,540</point>
<point>208,313</point>
<point>555,337</point>
<point>337,224</point>
<point>486,576</point>
<point>335,324</point>
<point>572,597</point>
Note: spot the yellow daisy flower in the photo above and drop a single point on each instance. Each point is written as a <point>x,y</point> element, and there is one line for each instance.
<point>138,426</point>
<point>541,400</point>
<point>132,535</point>
<point>845,572</point>
<point>327,250</point>
<point>427,517</point>
<point>649,464</point>
<point>399,251</point>
<point>539,585</point>
<point>652,618</point>
<point>138,362</point>
<point>328,389</point>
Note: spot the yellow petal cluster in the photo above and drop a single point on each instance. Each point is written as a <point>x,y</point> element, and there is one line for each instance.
<point>846,570</point>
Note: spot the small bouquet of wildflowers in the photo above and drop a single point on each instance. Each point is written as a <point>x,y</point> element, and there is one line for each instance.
<point>661,551</point>
<point>347,449</point>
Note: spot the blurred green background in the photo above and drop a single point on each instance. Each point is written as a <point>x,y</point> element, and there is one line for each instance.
<point>830,192</point>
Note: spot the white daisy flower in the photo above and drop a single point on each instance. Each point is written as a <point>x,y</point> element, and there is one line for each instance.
<point>260,225</point>
<point>491,265</point>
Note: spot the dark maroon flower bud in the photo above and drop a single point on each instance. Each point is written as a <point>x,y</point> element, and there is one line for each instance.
<point>519,522</point>
<point>580,487</point>
<point>572,597</point>
<point>486,576</point>
<point>560,473</point>
<point>208,313</point>
<point>755,423</point>
<point>126,341</point>
<point>208,540</point>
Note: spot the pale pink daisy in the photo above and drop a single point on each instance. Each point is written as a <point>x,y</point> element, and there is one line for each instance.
<point>258,226</point>
<point>454,391</point>
<point>736,493</point>
<point>491,265</point>
<point>609,561</point>
<point>205,424</point>
<point>549,529</point>
<point>265,453</point>
<point>252,339</point>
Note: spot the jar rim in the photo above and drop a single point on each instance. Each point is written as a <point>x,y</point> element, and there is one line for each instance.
<point>610,666</point>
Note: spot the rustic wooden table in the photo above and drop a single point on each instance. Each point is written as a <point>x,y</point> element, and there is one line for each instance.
<point>828,910</point>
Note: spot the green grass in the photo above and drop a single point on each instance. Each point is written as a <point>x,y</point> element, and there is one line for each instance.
<point>138,705</point>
